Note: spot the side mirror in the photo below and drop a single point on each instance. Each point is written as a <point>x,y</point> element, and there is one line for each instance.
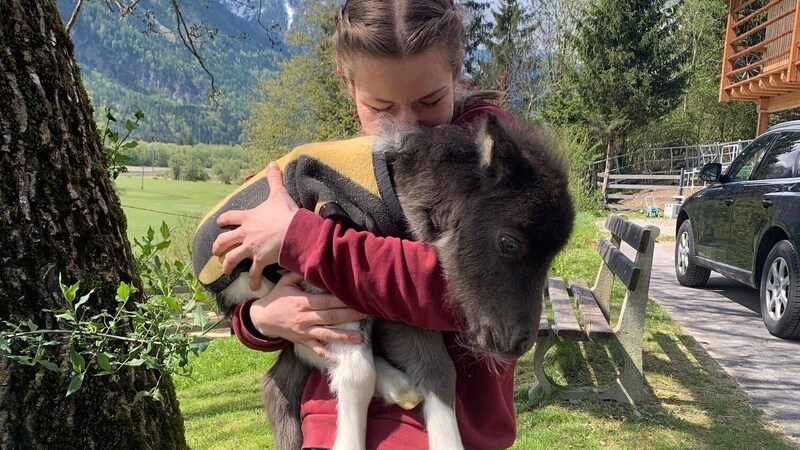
<point>711,172</point>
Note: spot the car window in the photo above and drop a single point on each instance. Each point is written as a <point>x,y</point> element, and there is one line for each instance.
<point>744,164</point>
<point>779,162</point>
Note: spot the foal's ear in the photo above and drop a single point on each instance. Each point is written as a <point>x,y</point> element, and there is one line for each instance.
<point>485,141</point>
<point>491,139</point>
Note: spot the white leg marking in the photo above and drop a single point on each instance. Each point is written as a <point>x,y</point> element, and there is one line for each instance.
<point>440,420</point>
<point>353,382</point>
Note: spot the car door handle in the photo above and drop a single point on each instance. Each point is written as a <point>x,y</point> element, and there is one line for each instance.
<point>728,201</point>
<point>766,203</point>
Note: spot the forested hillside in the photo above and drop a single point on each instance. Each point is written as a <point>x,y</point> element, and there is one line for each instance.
<point>140,61</point>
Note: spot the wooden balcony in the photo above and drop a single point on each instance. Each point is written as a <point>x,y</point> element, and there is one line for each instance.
<point>761,55</point>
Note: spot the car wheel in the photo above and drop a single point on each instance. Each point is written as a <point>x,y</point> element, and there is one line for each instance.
<point>780,291</point>
<point>686,269</point>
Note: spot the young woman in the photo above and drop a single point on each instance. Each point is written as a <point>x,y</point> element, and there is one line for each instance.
<point>399,59</point>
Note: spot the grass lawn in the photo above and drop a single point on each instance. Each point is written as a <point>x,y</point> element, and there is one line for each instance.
<point>692,403</point>
<point>221,406</point>
<point>180,204</point>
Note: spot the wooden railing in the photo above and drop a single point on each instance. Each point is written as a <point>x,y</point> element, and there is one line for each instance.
<point>761,55</point>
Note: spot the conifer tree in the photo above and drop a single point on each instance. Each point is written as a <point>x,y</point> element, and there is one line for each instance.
<point>476,32</point>
<point>628,71</point>
<point>510,65</point>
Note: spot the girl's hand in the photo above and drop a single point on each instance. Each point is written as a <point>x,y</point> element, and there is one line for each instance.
<point>298,316</point>
<point>260,230</point>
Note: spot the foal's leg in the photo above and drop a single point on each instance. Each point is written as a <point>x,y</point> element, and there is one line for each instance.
<point>422,355</point>
<point>282,391</point>
<point>352,380</point>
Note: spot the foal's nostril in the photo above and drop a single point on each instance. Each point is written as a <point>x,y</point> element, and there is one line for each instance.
<point>491,339</point>
<point>522,343</point>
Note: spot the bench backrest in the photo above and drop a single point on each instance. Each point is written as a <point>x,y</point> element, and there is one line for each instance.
<point>634,274</point>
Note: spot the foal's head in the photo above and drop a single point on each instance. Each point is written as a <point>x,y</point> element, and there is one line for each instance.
<point>495,204</point>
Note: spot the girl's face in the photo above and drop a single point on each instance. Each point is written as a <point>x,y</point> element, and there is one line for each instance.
<point>416,90</point>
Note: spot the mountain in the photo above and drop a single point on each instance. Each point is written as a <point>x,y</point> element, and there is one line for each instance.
<point>141,61</point>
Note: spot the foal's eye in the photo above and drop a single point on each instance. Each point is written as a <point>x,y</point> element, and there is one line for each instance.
<point>511,247</point>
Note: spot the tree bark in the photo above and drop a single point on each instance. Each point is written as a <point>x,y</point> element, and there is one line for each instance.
<point>60,216</point>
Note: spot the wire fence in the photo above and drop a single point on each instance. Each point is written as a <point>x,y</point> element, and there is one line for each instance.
<point>663,175</point>
<point>163,212</point>
<point>671,160</point>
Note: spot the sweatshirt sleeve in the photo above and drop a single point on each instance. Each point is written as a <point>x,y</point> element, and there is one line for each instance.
<point>244,329</point>
<point>387,277</point>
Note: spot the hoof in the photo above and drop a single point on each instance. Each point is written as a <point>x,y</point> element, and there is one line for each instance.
<point>407,398</point>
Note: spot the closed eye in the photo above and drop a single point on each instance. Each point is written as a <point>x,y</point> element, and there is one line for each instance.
<point>433,103</point>
<point>378,110</point>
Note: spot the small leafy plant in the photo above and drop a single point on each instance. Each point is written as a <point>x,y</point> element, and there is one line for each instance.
<point>155,332</point>
<point>113,145</point>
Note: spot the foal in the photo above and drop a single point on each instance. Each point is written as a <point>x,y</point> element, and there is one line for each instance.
<point>494,203</point>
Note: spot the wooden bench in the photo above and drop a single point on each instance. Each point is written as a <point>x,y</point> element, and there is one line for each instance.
<point>593,307</point>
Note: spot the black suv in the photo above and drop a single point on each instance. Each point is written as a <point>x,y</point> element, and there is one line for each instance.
<point>746,226</point>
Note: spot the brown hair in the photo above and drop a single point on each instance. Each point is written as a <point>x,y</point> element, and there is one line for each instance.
<point>400,28</point>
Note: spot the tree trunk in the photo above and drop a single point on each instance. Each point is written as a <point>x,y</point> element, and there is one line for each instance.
<point>60,216</point>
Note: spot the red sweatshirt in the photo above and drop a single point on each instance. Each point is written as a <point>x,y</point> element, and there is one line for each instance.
<point>398,280</point>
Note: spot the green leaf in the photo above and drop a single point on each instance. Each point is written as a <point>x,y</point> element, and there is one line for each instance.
<point>69,292</point>
<point>140,395</point>
<point>83,299</point>
<point>48,365</point>
<point>110,116</point>
<point>129,125</point>
<point>199,344</point>
<point>25,360</point>
<point>164,230</point>
<point>78,363</point>
<point>188,306</point>
<point>171,302</point>
<point>151,363</point>
<point>150,234</point>
<point>139,114</point>
<point>135,362</point>
<point>32,326</point>
<point>200,317</point>
<point>157,395</point>
<point>114,136</point>
<point>162,245</point>
<point>103,362</point>
<point>123,291</point>
<point>4,345</point>
<point>67,316</point>
<point>131,144</point>
<point>74,384</point>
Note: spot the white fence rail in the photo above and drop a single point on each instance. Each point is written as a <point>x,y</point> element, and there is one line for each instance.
<point>662,175</point>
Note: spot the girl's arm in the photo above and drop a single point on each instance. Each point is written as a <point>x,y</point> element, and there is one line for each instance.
<point>381,276</point>
<point>291,314</point>
<point>389,277</point>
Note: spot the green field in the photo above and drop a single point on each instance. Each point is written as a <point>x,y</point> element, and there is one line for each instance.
<point>181,204</point>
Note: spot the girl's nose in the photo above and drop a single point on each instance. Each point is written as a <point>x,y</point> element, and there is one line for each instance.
<point>406,117</point>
